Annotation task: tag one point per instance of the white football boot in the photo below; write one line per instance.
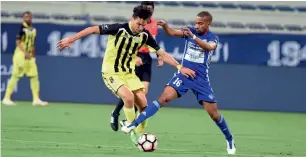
(231, 147)
(8, 102)
(39, 102)
(125, 128)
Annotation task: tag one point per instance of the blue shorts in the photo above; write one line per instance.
(200, 87)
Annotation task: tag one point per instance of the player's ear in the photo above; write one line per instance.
(149, 21)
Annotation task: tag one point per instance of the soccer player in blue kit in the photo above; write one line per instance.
(199, 47)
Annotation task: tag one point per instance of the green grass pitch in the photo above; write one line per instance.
(78, 130)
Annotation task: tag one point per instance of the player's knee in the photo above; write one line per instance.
(164, 99)
(128, 100)
(214, 114)
(213, 111)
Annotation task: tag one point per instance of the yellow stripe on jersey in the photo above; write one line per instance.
(122, 47)
(127, 48)
(27, 36)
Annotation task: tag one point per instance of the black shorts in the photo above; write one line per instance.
(144, 72)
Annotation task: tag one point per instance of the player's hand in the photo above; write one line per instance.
(138, 61)
(187, 32)
(161, 22)
(28, 55)
(64, 43)
(187, 72)
(160, 62)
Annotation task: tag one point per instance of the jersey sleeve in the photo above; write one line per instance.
(20, 32)
(152, 42)
(214, 39)
(109, 29)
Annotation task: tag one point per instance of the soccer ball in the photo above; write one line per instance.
(147, 142)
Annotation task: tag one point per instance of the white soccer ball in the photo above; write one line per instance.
(147, 142)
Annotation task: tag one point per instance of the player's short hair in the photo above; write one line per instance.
(27, 12)
(150, 3)
(206, 14)
(143, 12)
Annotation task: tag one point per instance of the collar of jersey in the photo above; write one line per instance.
(26, 25)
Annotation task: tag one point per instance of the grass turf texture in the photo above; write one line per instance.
(82, 130)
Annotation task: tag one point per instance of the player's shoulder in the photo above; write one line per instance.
(22, 26)
(153, 20)
(212, 34)
(116, 25)
(146, 31)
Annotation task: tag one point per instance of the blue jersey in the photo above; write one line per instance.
(198, 60)
(195, 57)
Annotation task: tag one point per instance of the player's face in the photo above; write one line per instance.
(138, 24)
(202, 24)
(27, 18)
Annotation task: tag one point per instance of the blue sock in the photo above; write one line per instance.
(224, 128)
(147, 113)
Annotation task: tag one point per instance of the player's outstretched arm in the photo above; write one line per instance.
(208, 46)
(171, 61)
(64, 43)
(170, 31)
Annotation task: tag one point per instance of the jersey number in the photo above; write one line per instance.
(177, 82)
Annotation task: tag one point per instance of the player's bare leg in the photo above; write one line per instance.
(128, 98)
(35, 87)
(212, 110)
(9, 91)
(116, 112)
(141, 103)
(168, 95)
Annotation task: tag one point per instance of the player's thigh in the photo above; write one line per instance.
(113, 82)
(31, 68)
(180, 84)
(133, 82)
(126, 95)
(140, 99)
(204, 92)
(18, 64)
(146, 73)
(206, 97)
(139, 71)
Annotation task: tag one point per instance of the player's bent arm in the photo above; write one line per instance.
(171, 61)
(19, 45)
(173, 32)
(208, 46)
(85, 32)
(167, 58)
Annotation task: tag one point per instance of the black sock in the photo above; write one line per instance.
(118, 107)
(135, 108)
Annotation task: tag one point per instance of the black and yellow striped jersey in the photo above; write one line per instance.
(27, 35)
(122, 47)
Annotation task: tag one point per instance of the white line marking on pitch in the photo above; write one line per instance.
(127, 147)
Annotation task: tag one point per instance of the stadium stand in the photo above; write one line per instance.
(245, 16)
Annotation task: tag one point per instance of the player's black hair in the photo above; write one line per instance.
(150, 3)
(143, 12)
(27, 12)
(206, 14)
